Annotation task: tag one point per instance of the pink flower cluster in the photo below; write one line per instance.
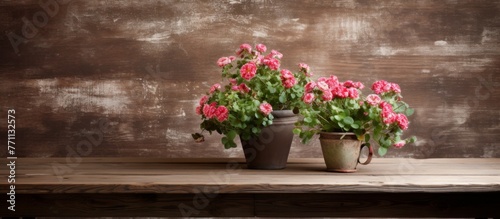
(214, 88)
(223, 61)
(271, 60)
(248, 71)
(265, 108)
(399, 144)
(308, 98)
(244, 48)
(390, 117)
(373, 99)
(331, 88)
(382, 86)
(272, 63)
(221, 113)
(242, 87)
(287, 78)
(306, 69)
(261, 48)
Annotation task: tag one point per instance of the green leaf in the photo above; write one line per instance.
(256, 103)
(367, 138)
(271, 89)
(338, 117)
(270, 116)
(355, 126)
(413, 139)
(236, 107)
(232, 144)
(382, 151)
(245, 118)
(282, 98)
(231, 135)
(409, 112)
(307, 120)
(397, 138)
(296, 131)
(349, 120)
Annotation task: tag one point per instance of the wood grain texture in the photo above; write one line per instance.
(135, 205)
(142, 65)
(225, 176)
(143, 187)
(378, 205)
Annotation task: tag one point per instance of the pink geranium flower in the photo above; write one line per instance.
(304, 67)
(388, 117)
(286, 74)
(222, 113)
(203, 100)
(223, 61)
(353, 93)
(381, 87)
(348, 84)
(198, 110)
(214, 88)
(244, 48)
(327, 95)
(385, 106)
(399, 144)
(274, 54)
(308, 98)
(402, 121)
(272, 63)
(265, 108)
(323, 86)
(359, 85)
(341, 91)
(289, 83)
(244, 88)
(395, 87)
(209, 110)
(261, 48)
(310, 87)
(248, 71)
(373, 99)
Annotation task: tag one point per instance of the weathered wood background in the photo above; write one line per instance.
(139, 67)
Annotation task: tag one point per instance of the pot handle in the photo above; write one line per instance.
(370, 154)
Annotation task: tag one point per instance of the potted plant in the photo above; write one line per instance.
(346, 120)
(255, 102)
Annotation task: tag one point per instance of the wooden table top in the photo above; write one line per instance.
(182, 176)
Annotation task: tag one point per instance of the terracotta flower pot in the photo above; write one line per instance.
(269, 150)
(342, 155)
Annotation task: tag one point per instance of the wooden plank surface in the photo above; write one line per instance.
(379, 205)
(143, 65)
(142, 187)
(133, 175)
(131, 205)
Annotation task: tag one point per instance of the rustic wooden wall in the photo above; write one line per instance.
(139, 67)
